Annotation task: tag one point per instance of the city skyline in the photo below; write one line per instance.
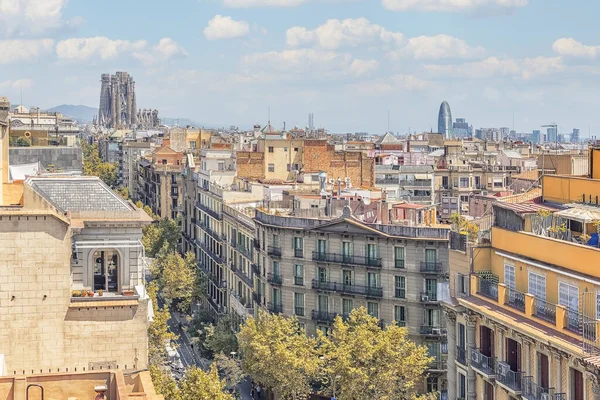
(348, 62)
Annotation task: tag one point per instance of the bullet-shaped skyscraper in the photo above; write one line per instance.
(445, 120)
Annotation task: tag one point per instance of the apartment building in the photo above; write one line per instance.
(131, 153)
(159, 180)
(411, 183)
(523, 317)
(317, 269)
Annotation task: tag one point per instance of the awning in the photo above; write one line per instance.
(582, 215)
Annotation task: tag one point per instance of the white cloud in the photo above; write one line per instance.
(25, 17)
(569, 47)
(313, 64)
(165, 50)
(83, 49)
(451, 5)
(222, 27)
(437, 47)
(526, 68)
(261, 3)
(394, 84)
(24, 50)
(17, 84)
(336, 33)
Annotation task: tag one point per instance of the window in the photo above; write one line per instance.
(373, 309)
(299, 304)
(509, 276)
(275, 267)
(321, 246)
(462, 386)
(323, 275)
(285, 149)
(464, 182)
(295, 149)
(298, 244)
(347, 277)
(221, 166)
(400, 315)
(431, 317)
(289, 167)
(270, 149)
(323, 303)
(568, 296)
(299, 275)
(399, 257)
(346, 250)
(371, 251)
(400, 287)
(271, 167)
(276, 297)
(275, 240)
(324, 329)
(431, 289)
(430, 257)
(347, 306)
(373, 279)
(432, 384)
(537, 286)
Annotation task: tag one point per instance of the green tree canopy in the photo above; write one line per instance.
(177, 277)
(94, 166)
(221, 338)
(279, 355)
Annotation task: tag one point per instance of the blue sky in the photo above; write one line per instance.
(348, 61)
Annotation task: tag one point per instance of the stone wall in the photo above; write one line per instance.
(250, 165)
(39, 330)
(63, 158)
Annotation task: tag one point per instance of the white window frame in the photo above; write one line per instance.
(570, 291)
(510, 276)
(535, 285)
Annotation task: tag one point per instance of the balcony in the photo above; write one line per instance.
(387, 181)
(429, 330)
(544, 311)
(487, 288)
(373, 262)
(274, 251)
(461, 355)
(274, 279)
(428, 267)
(508, 379)
(483, 364)
(217, 258)
(242, 275)
(247, 252)
(241, 305)
(368, 291)
(416, 183)
(323, 316)
(275, 308)
(429, 297)
(532, 391)
(515, 299)
(298, 253)
(437, 365)
(256, 269)
(212, 213)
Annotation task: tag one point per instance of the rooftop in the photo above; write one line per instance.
(78, 194)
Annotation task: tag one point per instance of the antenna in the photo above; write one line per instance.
(388, 129)
(269, 115)
(21, 85)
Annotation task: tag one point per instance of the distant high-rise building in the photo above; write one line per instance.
(536, 136)
(311, 121)
(504, 132)
(461, 128)
(575, 136)
(445, 120)
(552, 134)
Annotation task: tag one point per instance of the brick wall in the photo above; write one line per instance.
(250, 165)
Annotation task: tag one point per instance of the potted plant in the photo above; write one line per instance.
(128, 292)
(90, 294)
(84, 293)
(100, 292)
(76, 293)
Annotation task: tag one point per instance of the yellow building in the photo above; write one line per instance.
(523, 314)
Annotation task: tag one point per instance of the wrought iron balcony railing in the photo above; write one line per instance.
(347, 259)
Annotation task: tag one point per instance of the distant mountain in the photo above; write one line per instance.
(85, 114)
(81, 114)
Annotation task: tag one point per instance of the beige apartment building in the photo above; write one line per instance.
(317, 269)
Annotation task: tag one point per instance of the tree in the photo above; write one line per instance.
(167, 232)
(123, 192)
(176, 277)
(94, 166)
(20, 141)
(158, 331)
(200, 385)
(164, 384)
(278, 354)
(230, 369)
(221, 338)
(362, 361)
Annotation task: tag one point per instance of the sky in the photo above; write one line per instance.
(350, 62)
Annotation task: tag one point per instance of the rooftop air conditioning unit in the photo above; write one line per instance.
(436, 331)
(424, 297)
(484, 192)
